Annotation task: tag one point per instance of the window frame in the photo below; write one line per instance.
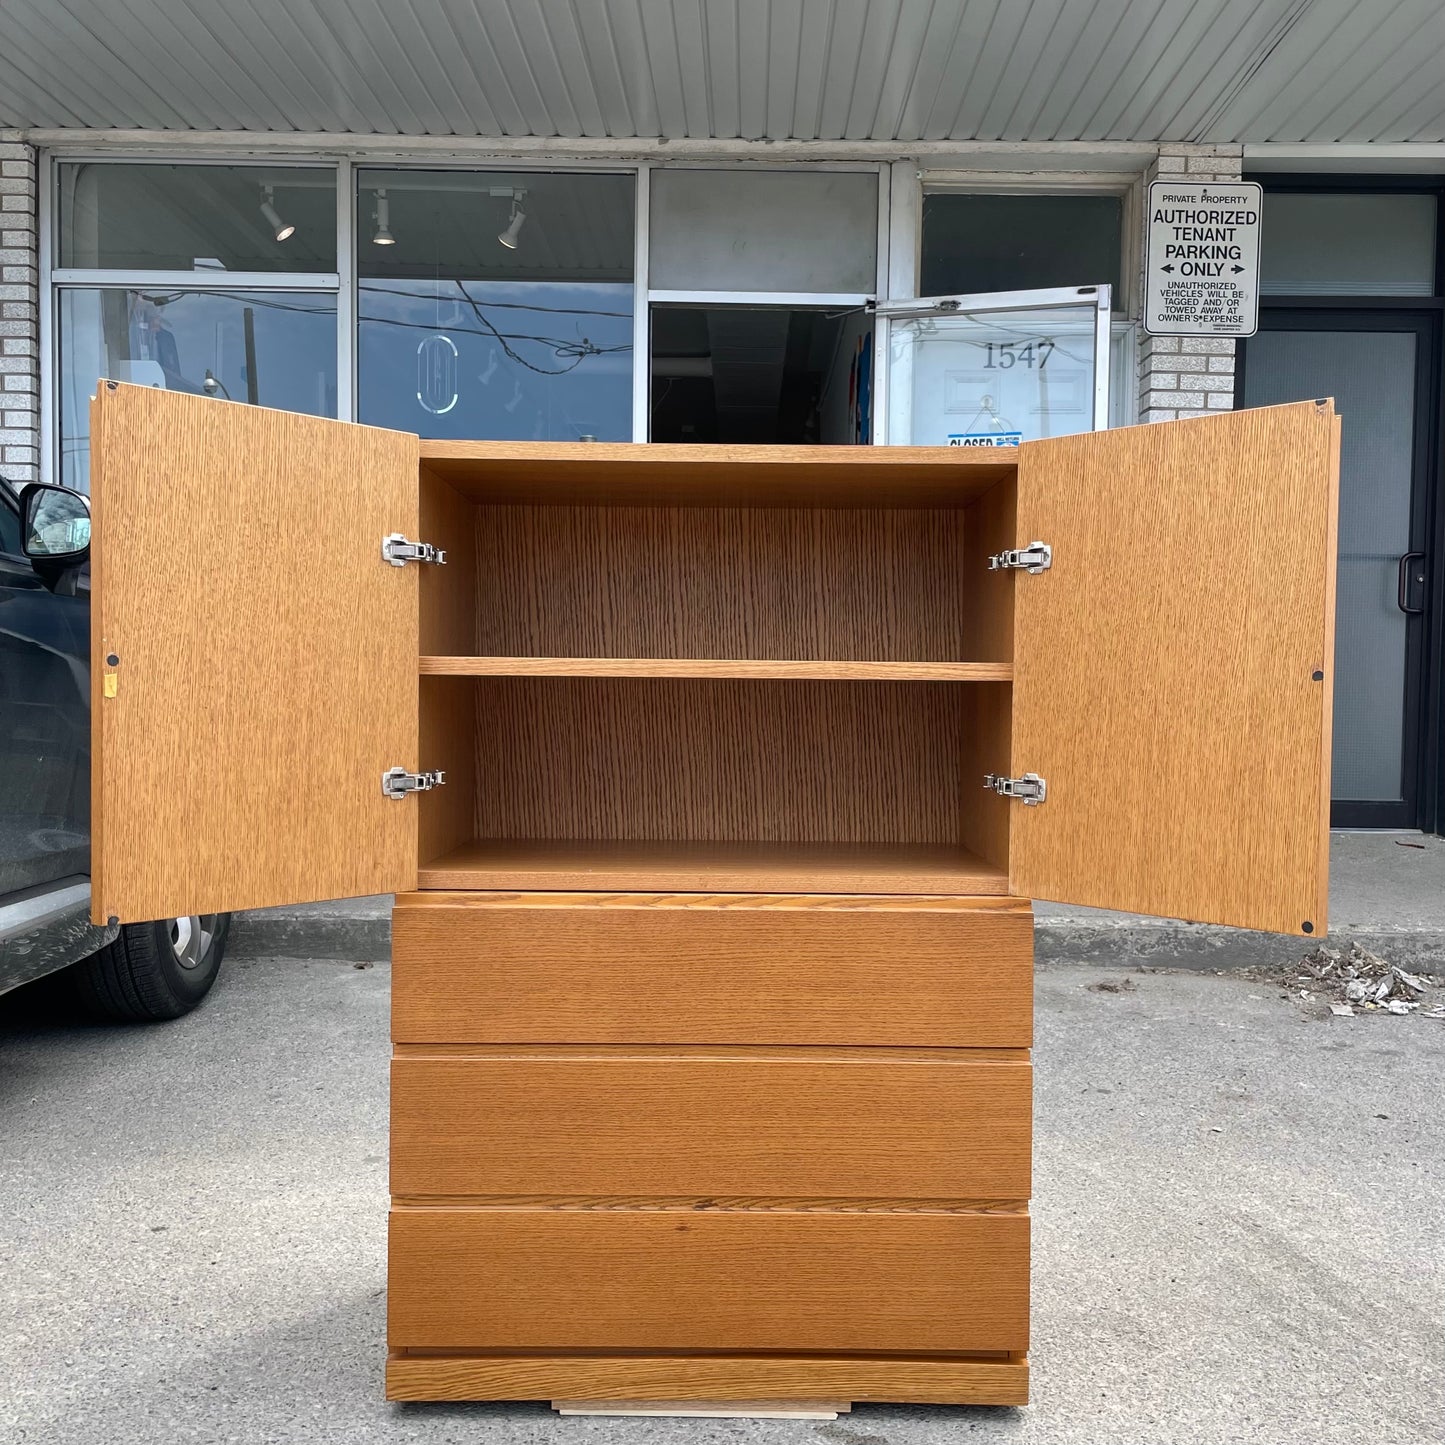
(1129, 186)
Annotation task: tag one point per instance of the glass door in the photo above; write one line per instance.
(994, 369)
(1377, 366)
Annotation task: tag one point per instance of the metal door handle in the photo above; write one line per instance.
(1402, 590)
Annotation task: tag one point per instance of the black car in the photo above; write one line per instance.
(136, 971)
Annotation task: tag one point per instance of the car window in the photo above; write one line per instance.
(9, 526)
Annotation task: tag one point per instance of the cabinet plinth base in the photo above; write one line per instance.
(742, 1379)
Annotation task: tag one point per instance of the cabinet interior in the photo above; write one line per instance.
(721, 677)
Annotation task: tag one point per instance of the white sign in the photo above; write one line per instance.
(985, 438)
(1201, 274)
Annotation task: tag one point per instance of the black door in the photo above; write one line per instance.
(1379, 365)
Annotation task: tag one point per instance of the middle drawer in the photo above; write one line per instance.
(711, 1123)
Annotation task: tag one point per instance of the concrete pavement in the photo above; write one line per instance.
(1238, 1213)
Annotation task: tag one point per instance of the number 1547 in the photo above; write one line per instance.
(1004, 354)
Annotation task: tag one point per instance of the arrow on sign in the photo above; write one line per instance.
(1166, 268)
(1236, 269)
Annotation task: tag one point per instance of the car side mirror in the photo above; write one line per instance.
(57, 525)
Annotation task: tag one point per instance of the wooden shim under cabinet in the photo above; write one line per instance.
(710, 1409)
(715, 667)
(412, 1376)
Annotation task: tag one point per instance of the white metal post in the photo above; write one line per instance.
(1103, 335)
(641, 315)
(346, 297)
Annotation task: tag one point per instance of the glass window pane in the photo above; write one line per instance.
(196, 218)
(496, 305)
(764, 231)
(976, 243)
(991, 378)
(272, 348)
(1347, 245)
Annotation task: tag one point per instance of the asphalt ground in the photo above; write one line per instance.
(1238, 1220)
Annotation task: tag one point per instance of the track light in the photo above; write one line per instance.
(284, 229)
(382, 235)
(508, 238)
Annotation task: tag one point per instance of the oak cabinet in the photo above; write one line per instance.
(712, 956)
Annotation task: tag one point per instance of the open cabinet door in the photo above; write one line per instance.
(253, 656)
(1173, 668)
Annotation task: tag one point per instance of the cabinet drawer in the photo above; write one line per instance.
(685, 1280)
(667, 1123)
(710, 969)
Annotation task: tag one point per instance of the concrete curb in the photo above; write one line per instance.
(365, 937)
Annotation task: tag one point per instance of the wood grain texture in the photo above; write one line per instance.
(448, 591)
(730, 1203)
(682, 1280)
(704, 867)
(719, 760)
(1163, 676)
(694, 582)
(937, 1381)
(986, 719)
(258, 697)
(652, 474)
(804, 670)
(666, 969)
(988, 619)
(669, 1122)
(447, 717)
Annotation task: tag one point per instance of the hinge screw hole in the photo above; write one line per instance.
(111, 660)
(1317, 676)
(1307, 926)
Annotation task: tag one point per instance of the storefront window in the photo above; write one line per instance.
(271, 348)
(495, 305)
(977, 243)
(747, 230)
(126, 217)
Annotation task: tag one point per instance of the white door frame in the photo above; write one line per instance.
(1099, 297)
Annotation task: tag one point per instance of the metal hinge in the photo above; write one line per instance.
(1030, 789)
(1036, 557)
(397, 782)
(398, 551)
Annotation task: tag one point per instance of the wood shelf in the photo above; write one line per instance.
(619, 474)
(603, 865)
(716, 667)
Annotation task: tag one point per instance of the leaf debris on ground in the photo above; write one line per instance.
(1353, 981)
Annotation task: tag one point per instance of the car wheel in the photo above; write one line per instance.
(153, 970)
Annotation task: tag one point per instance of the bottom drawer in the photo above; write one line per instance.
(668, 1279)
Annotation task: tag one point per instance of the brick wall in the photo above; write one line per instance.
(19, 315)
(1187, 375)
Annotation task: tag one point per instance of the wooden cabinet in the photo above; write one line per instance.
(712, 953)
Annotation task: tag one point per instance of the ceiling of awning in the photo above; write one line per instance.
(883, 70)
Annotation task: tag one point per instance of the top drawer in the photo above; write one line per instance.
(712, 969)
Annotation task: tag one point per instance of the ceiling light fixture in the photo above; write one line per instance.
(508, 238)
(382, 235)
(284, 229)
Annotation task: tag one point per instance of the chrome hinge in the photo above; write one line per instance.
(1030, 789)
(1036, 557)
(397, 782)
(398, 551)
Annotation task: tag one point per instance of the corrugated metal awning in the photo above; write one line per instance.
(880, 70)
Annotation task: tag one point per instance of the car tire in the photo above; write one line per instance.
(153, 971)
